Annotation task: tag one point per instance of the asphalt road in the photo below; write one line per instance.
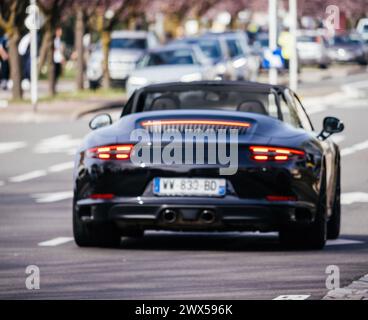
(35, 229)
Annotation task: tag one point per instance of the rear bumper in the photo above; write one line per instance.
(229, 213)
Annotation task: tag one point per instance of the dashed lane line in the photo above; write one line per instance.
(293, 297)
(354, 197)
(2, 183)
(6, 147)
(52, 197)
(55, 242)
(61, 167)
(343, 242)
(354, 148)
(29, 176)
(41, 173)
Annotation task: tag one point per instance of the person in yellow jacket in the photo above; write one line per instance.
(285, 42)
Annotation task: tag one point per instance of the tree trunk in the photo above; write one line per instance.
(106, 39)
(44, 50)
(15, 65)
(51, 66)
(79, 46)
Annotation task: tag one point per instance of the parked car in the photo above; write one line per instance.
(287, 177)
(348, 47)
(126, 48)
(362, 28)
(312, 49)
(245, 60)
(228, 53)
(179, 62)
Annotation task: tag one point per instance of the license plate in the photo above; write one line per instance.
(189, 187)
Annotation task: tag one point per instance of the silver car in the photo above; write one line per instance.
(126, 48)
(348, 47)
(312, 49)
(171, 63)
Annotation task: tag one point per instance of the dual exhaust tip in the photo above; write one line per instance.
(171, 216)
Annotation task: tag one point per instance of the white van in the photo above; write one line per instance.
(362, 28)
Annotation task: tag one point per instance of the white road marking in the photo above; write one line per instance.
(6, 147)
(58, 144)
(355, 148)
(338, 139)
(341, 242)
(354, 197)
(52, 197)
(293, 297)
(41, 173)
(29, 176)
(61, 167)
(55, 242)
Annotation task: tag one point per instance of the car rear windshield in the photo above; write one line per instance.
(307, 39)
(169, 57)
(128, 43)
(343, 40)
(261, 103)
(210, 47)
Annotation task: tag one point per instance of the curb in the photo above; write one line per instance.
(357, 290)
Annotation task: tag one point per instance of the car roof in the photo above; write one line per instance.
(172, 47)
(129, 34)
(231, 85)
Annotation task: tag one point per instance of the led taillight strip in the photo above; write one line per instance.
(278, 154)
(157, 123)
(118, 152)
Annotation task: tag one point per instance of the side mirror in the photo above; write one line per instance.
(331, 125)
(100, 121)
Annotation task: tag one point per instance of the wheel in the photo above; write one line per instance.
(94, 235)
(133, 233)
(311, 237)
(334, 224)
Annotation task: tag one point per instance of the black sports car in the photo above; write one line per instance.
(284, 176)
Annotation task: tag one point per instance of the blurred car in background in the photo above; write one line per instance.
(171, 63)
(228, 52)
(312, 48)
(348, 47)
(245, 60)
(362, 28)
(126, 48)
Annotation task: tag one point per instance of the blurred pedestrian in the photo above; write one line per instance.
(285, 42)
(4, 63)
(24, 49)
(59, 58)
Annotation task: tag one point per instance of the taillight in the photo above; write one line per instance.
(118, 152)
(275, 154)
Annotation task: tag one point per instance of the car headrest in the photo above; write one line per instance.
(253, 106)
(165, 103)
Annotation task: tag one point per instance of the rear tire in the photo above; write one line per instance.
(94, 235)
(312, 237)
(334, 224)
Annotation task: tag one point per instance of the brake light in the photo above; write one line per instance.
(276, 154)
(280, 198)
(155, 123)
(102, 196)
(118, 152)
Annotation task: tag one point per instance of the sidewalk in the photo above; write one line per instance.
(68, 106)
(358, 290)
